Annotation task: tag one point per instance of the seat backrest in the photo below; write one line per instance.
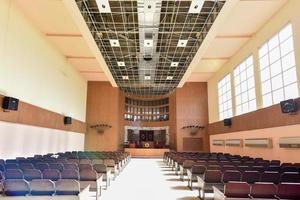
(263, 190)
(97, 161)
(41, 166)
(213, 176)
(231, 175)
(87, 175)
(198, 169)
(250, 176)
(52, 174)
(73, 160)
(109, 162)
(31, 174)
(237, 190)
(9, 161)
(58, 166)
(70, 174)
(71, 166)
(11, 166)
(13, 174)
(85, 161)
(289, 169)
(243, 168)
(274, 168)
(213, 167)
(270, 176)
(24, 166)
(228, 167)
(85, 166)
(290, 177)
(67, 187)
(289, 191)
(16, 187)
(100, 168)
(188, 164)
(275, 162)
(258, 168)
(40, 187)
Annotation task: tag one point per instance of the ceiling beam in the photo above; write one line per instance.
(63, 35)
(233, 36)
(215, 58)
(80, 57)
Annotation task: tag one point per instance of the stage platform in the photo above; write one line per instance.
(146, 152)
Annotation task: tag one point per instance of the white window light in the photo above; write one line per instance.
(278, 68)
(182, 43)
(103, 6)
(147, 77)
(244, 85)
(225, 100)
(114, 43)
(125, 77)
(169, 77)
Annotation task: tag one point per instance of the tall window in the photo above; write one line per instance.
(244, 85)
(278, 68)
(225, 104)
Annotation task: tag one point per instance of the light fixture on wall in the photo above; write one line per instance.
(193, 129)
(100, 128)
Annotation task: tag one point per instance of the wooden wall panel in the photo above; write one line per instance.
(263, 118)
(35, 116)
(192, 144)
(192, 109)
(103, 107)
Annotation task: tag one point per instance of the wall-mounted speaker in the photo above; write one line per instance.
(227, 122)
(67, 120)
(288, 106)
(10, 103)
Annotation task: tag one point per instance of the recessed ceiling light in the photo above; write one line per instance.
(148, 43)
(114, 43)
(149, 6)
(147, 77)
(103, 6)
(121, 64)
(125, 77)
(196, 6)
(169, 77)
(174, 64)
(182, 43)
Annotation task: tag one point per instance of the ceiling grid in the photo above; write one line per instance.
(144, 73)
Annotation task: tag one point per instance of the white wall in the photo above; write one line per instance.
(23, 140)
(288, 14)
(33, 70)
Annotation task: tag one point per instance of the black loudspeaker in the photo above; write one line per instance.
(67, 120)
(10, 103)
(288, 106)
(227, 122)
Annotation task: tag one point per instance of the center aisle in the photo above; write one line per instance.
(148, 179)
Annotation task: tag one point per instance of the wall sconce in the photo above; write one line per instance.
(193, 129)
(100, 128)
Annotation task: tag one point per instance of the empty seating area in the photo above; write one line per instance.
(70, 174)
(233, 176)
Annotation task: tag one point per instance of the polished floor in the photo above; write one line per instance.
(148, 179)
